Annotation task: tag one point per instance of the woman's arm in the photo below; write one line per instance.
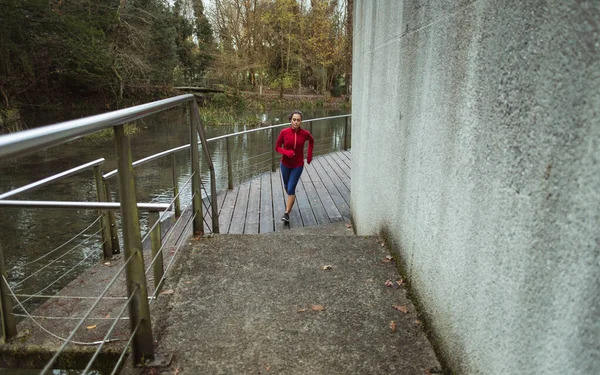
(281, 150)
(311, 145)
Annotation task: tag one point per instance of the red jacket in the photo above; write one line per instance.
(290, 144)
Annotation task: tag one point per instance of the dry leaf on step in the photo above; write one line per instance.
(318, 307)
(402, 308)
(91, 327)
(393, 326)
(327, 267)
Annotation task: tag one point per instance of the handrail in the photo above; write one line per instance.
(270, 127)
(28, 141)
(48, 180)
(81, 205)
(147, 159)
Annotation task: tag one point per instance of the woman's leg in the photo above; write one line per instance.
(294, 177)
(285, 175)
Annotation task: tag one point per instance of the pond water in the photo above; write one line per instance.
(27, 234)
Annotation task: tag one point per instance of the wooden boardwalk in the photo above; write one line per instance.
(257, 205)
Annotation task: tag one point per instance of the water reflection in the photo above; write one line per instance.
(27, 234)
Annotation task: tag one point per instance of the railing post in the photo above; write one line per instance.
(158, 268)
(211, 168)
(104, 222)
(139, 311)
(273, 150)
(229, 167)
(112, 220)
(9, 327)
(198, 224)
(345, 143)
(175, 187)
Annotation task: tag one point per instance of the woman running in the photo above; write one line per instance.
(290, 144)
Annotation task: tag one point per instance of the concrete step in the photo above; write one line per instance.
(333, 229)
(246, 304)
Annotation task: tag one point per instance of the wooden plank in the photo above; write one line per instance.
(266, 204)
(339, 178)
(348, 157)
(303, 205)
(332, 189)
(227, 209)
(335, 156)
(278, 201)
(239, 213)
(332, 212)
(253, 209)
(314, 200)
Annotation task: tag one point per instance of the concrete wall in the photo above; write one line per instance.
(476, 149)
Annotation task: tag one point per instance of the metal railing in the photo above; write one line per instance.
(137, 300)
(21, 143)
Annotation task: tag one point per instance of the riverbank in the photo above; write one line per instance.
(228, 108)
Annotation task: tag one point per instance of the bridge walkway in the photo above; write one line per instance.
(256, 206)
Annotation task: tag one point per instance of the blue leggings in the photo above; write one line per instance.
(290, 178)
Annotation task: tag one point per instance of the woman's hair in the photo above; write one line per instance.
(295, 112)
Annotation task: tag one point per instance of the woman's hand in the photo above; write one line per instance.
(290, 153)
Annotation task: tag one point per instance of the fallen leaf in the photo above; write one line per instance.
(427, 372)
(107, 264)
(387, 259)
(389, 283)
(318, 307)
(402, 308)
(327, 267)
(91, 327)
(301, 310)
(176, 372)
(418, 322)
(167, 292)
(382, 244)
(400, 282)
(188, 282)
(393, 326)
(348, 226)
(107, 316)
(267, 367)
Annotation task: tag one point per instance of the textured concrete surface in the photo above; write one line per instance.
(243, 304)
(476, 148)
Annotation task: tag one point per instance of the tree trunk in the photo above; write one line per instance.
(349, 36)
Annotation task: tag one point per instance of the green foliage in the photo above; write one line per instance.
(218, 116)
(53, 51)
(287, 79)
(227, 100)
